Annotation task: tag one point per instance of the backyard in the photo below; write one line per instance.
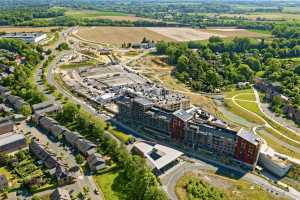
(25, 171)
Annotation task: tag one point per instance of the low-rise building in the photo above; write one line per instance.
(44, 154)
(96, 162)
(160, 158)
(64, 176)
(274, 163)
(60, 194)
(71, 137)
(33, 37)
(45, 107)
(6, 126)
(3, 182)
(86, 147)
(16, 102)
(11, 142)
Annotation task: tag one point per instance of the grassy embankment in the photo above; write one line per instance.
(249, 104)
(232, 189)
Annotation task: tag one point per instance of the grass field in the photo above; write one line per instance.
(246, 96)
(278, 147)
(232, 188)
(246, 115)
(107, 181)
(245, 99)
(115, 16)
(92, 13)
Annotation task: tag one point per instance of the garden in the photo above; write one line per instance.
(26, 173)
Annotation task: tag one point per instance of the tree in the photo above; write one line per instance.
(63, 46)
(161, 47)
(182, 63)
(26, 110)
(155, 193)
(79, 159)
(297, 70)
(253, 63)
(246, 72)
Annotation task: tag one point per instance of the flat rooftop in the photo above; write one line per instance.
(249, 136)
(158, 155)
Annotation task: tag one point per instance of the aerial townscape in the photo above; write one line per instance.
(150, 99)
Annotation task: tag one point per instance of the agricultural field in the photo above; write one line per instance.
(120, 35)
(267, 16)
(115, 16)
(184, 34)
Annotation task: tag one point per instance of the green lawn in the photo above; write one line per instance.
(125, 138)
(254, 108)
(246, 96)
(243, 113)
(235, 92)
(107, 181)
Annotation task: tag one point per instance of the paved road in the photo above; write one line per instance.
(83, 179)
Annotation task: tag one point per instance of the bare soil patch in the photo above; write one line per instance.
(119, 35)
(184, 34)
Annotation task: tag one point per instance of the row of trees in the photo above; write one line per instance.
(213, 66)
(139, 183)
(19, 81)
(19, 15)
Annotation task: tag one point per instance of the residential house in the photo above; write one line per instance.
(71, 137)
(3, 182)
(6, 126)
(96, 162)
(64, 176)
(3, 90)
(16, 102)
(45, 107)
(44, 154)
(11, 142)
(60, 194)
(86, 147)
